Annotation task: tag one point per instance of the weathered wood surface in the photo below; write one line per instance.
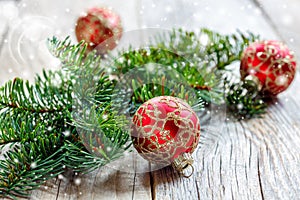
(285, 19)
(255, 159)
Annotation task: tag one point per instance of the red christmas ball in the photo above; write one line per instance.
(164, 128)
(271, 64)
(99, 26)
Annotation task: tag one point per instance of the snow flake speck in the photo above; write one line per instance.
(33, 165)
(77, 181)
(67, 133)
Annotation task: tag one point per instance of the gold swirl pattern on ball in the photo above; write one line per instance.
(154, 141)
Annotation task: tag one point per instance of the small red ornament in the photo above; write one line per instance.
(99, 26)
(165, 130)
(271, 64)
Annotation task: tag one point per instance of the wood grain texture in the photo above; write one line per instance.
(284, 17)
(254, 159)
(5, 18)
(222, 16)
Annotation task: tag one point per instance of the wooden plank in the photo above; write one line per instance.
(255, 159)
(26, 52)
(223, 16)
(284, 16)
(8, 12)
(105, 183)
(47, 191)
(249, 159)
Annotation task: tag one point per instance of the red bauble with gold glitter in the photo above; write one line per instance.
(100, 26)
(271, 64)
(165, 130)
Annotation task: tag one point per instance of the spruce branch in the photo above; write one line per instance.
(225, 49)
(69, 118)
(33, 118)
(179, 70)
(101, 132)
(201, 59)
(30, 163)
(207, 45)
(70, 55)
(243, 99)
(25, 106)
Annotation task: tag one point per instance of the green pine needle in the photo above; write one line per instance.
(243, 99)
(74, 117)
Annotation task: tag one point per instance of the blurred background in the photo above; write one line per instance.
(25, 25)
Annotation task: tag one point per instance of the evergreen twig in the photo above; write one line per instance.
(69, 118)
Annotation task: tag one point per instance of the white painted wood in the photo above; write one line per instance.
(284, 15)
(34, 21)
(250, 159)
(223, 16)
(8, 13)
(254, 159)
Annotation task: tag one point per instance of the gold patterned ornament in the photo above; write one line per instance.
(270, 64)
(100, 28)
(165, 130)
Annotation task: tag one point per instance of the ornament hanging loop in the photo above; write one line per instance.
(182, 163)
(184, 174)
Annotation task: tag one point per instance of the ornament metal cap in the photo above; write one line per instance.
(182, 163)
(256, 80)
